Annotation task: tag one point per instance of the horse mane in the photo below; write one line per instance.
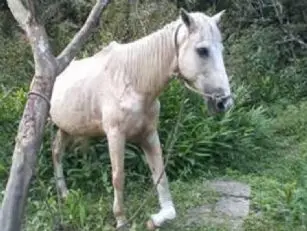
(146, 62)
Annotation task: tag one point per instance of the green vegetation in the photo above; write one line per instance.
(262, 141)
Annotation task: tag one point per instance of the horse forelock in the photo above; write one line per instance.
(207, 26)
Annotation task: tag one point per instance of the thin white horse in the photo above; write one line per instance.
(115, 94)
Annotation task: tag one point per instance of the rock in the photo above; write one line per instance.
(231, 188)
(233, 207)
(228, 212)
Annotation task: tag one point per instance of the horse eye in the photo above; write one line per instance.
(203, 51)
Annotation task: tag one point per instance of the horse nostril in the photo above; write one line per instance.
(220, 105)
(224, 103)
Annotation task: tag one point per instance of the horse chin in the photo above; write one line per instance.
(211, 105)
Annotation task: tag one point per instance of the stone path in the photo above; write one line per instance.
(228, 212)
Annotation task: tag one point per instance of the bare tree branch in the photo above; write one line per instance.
(19, 11)
(73, 47)
(31, 9)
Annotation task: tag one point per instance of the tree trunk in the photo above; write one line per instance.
(28, 141)
(31, 127)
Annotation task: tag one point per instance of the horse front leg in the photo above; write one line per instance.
(152, 148)
(116, 144)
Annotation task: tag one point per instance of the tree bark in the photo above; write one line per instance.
(30, 131)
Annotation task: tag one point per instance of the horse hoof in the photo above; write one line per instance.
(150, 225)
(123, 227)
(64, 195)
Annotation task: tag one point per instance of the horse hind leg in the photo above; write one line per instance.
(59, 144)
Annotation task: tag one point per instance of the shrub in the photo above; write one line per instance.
(11, 107)
(16, 62)
(239, 136)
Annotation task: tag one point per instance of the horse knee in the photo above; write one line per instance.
(118, 180)
(56, 157)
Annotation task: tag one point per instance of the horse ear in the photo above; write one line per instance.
(217, 17)
(187, 19)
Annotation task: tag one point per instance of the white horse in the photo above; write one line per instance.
(115, 93)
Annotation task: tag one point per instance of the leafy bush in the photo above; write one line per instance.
(240, 135)
(292, 122)
(11, 106)
(16, 62)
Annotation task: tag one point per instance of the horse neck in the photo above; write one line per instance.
(151, 61)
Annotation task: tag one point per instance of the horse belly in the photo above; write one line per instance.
(77, 123)
(77, 114)
(75, 103)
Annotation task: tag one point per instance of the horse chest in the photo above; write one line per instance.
(134, 123)
(133, 115)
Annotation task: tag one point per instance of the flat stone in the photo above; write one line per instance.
(231, 188)
(198, 215)
(228, 212)
(233, 207)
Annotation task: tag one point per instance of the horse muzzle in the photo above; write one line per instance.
(220, 104)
